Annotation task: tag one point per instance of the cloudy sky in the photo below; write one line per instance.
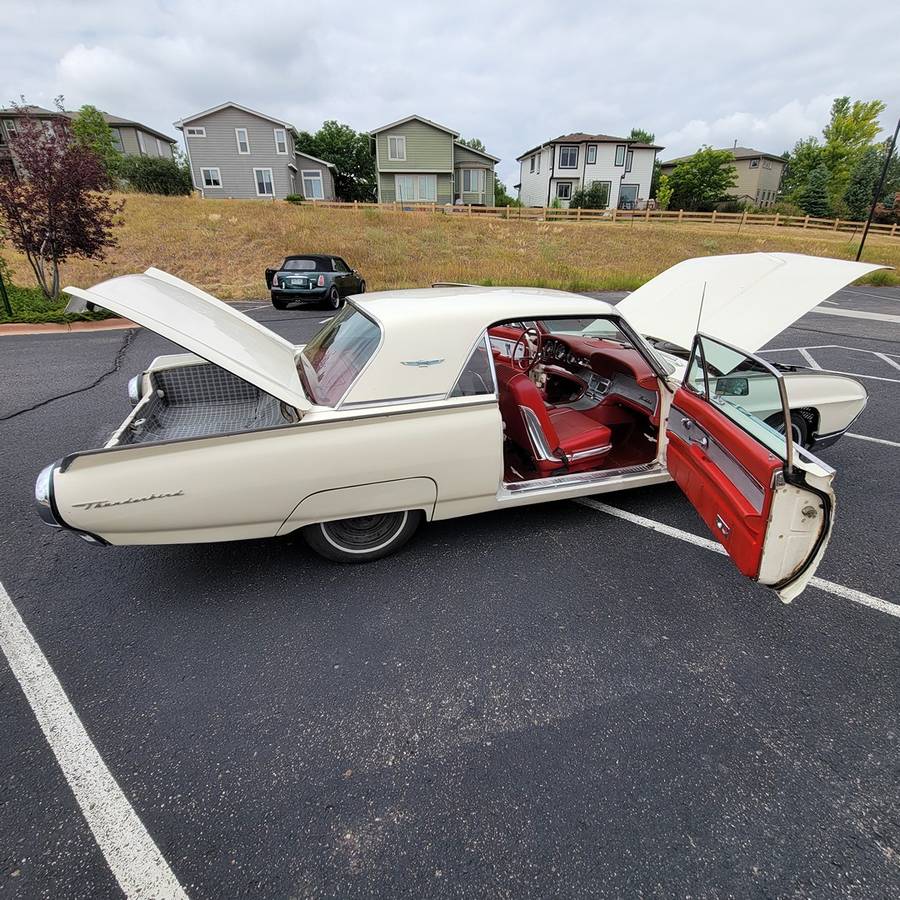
(512, 73)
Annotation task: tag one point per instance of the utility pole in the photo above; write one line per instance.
(878, 190)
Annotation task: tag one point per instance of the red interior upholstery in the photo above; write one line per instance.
(567, 433)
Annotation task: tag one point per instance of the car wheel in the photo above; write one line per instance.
(279, 302)
(362, 287)
(334, 298)
(799, 429)
(364, 538)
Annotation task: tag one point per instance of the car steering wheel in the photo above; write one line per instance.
(530, 357)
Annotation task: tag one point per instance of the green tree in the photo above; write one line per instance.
(156, 175)
(863, 180)
(594, 197)
(501, 197)
(852, 128)
(814, 200)
(351, 154)
(89, 129)
(806, 156)
(474, 143)
(664, 192)
(702, 180)
(641, 136)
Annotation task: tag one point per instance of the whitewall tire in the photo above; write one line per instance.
(364, 538)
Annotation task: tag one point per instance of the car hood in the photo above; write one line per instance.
(743, 299)
(207, 327)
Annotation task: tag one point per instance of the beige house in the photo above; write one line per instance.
(129, 137)
(758, 174)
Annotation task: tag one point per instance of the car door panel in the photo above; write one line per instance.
(770, 505)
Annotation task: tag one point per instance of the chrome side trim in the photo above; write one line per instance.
(517, 488)
(364, 404)
(595, 451)
(539, 445)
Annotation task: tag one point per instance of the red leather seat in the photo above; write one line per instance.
(558, 439)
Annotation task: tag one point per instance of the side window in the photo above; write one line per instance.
(477, 376)
(744, 388)
(340, 265)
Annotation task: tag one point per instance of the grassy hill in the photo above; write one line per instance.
(223, 246)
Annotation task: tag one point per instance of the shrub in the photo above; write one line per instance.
(594, 197)
(295, 198)
(155, 175)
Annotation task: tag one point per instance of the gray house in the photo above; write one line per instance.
(419, 161)
(236, 152)
(129, 137)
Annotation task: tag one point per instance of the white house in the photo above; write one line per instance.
(557, 168)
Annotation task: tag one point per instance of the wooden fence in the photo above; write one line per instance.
(626, 216)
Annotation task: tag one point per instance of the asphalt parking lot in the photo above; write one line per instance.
(551, 701)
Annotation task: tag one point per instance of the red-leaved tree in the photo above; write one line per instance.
(57, 205)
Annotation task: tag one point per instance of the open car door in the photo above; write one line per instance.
(766, 500)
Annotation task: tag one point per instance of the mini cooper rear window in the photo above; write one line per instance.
(300, 265)
(331, 361)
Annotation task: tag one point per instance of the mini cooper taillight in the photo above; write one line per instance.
(275, 282)
(321, 281)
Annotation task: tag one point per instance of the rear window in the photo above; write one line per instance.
(337, 354)
(300, 265)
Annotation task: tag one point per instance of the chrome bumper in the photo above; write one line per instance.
(43, 496)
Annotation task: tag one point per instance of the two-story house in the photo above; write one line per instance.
(759, 174)
(557, 168)
(419, 161)
(239, 153)
(129, 137)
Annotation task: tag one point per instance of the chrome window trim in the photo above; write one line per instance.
(482, 338)
(364, 369)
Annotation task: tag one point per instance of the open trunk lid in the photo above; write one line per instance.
(207, 327)
(743, 299)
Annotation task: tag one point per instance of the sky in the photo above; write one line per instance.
(762, 74)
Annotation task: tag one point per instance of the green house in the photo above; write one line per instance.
(419, 161)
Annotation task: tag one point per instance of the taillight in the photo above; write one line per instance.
(321, 281)
(274, 281)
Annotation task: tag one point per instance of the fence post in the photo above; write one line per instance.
(578, 214)
(836, 221)
(713, 220)
(680, 216)
(647, 213)
(743, 220)
(507, 212)
(893, 229)
(806, 221)
(777, 219)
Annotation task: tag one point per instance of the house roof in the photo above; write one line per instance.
(581, 137)
(495, 159)
(253, 112)
(115, 121)
(736, 152)
(420, 119)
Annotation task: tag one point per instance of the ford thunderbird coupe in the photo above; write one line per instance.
(419, 405)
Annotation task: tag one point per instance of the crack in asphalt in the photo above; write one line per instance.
(119, 358)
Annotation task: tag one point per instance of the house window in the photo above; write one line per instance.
(620, 154)
(243, 141)
(211, 178)
(532, 162)
(313, 186)
(2, 138)
(767, 163)
(264, 184)
(591, 154)
(160, 147)
(195, 132)
(416, 187)
(11, 128)
(539, 163)
(281, 146)
(629, 159)
(564, 190)
(473, 181)
(605, 187)
(141, 146)
(754, 163)
(568, 157)
(397, 147)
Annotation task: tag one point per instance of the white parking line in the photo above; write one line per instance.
(132, 856)
(856, 314)
(808, 357)
(865, 437)
(839, 590)
(870, 294)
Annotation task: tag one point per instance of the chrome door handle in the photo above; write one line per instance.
(720, 524)
(688, 424)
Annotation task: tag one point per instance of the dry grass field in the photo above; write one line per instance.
(223, 246)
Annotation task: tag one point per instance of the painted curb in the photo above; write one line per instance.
(22, 328)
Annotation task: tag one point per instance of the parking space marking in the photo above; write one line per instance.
(130, 852)
(870, 294)
(808, 357)
(838, 590)
(805, 353)
(856, 314)
(865, 437)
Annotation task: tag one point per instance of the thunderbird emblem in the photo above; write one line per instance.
(421, 363)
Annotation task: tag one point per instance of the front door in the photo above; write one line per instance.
(766, 500)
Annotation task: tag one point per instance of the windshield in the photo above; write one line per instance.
(337, 354)
(587, 327)
(300, 265)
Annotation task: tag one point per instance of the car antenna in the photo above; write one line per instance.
(700, 310)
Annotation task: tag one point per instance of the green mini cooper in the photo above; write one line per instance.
(313, 278)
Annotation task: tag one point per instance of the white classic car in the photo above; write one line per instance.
(429, 404)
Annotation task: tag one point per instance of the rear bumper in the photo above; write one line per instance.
(820, 441)
(314, 294)
(46, 504)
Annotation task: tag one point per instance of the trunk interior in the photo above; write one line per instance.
(198, 401)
